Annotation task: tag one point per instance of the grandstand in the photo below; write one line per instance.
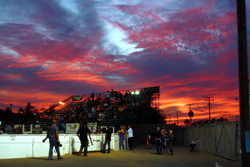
(109, 108)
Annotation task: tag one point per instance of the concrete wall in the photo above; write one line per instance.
(28, 145)
(221, 139)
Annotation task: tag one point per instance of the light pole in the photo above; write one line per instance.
(11, 107)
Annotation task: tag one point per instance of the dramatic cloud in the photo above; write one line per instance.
(50, 50)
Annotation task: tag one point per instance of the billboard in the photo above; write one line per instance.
(77, 98)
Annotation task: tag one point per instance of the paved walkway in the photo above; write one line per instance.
(142, 157)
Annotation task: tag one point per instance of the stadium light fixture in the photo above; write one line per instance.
(61, 103)
(137, 92)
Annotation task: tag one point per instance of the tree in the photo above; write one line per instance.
(7, 115)
(20, 110)
(186, 122)
(190, 114)
(28, 112)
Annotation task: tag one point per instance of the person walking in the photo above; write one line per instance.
(54, 140)
(82, 133)
(130, 137)
(107, 140)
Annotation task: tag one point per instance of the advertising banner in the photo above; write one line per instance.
(37, 129)
(72, 128)
(27, 129)
(9, 129)
(92, 126)
(18, 129)
(77, 98)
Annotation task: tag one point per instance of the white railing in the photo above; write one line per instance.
(31, 145)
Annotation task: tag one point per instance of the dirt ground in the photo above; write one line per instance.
(142, 157)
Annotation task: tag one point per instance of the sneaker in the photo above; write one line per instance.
(60, 158)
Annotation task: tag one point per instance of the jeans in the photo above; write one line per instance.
(84, 144)
(53, 143)
(126, 141)
(104, 146)
(121, 143)
(158, 147)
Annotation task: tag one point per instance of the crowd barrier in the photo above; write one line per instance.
(31, 145)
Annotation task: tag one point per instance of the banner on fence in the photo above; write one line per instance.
(37, 129)
(27, 129)
(18, 129)
(72, 128)
(9, 129)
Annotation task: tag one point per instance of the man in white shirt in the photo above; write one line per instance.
(194, 143)
(130, 137)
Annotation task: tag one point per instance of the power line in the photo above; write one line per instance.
(169, 118)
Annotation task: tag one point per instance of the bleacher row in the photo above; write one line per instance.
(109, 108)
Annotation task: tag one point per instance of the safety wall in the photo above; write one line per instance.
(220, 139)
(27, 145)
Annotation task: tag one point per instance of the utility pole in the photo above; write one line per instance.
(177, 116)
(243, 79)
(189, 106)
(169, 118)
(190, 111)
(209, 99)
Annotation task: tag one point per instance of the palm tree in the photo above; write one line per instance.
(186, 122)
(190, 114)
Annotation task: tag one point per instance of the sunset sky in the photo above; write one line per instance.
(52, 49)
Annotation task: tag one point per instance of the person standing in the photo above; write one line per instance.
(54, 140)
(136, 138)
(164, 140)
(158, 138)
(107, 140)
(130, 137)
(125, 137)
(82, 133)
(121, 139)
(170, 141)
(149, 140)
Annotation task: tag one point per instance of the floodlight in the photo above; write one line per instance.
(137, 92)
(132, 93)
(62, 103)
